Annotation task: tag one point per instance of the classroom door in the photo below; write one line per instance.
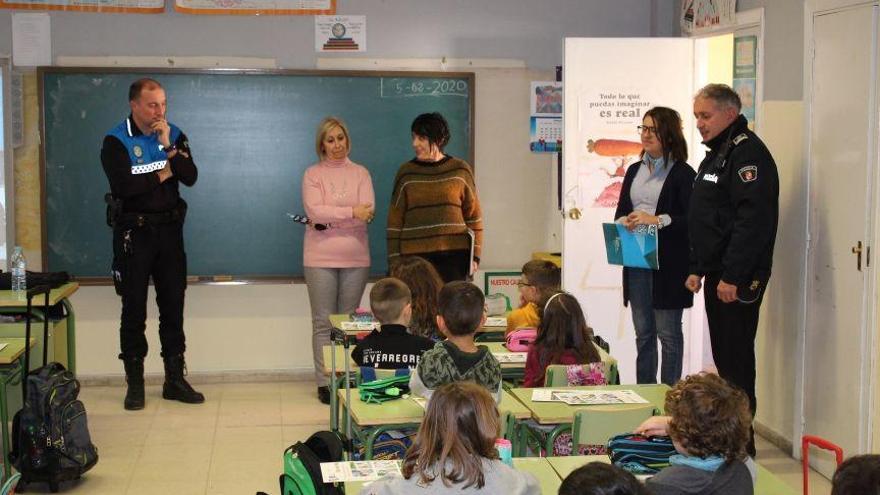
(608, 85)
(843, 153)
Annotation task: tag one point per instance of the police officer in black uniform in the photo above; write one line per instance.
(732, 223)
(145, 158)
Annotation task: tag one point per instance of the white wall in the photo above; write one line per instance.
(515, 29)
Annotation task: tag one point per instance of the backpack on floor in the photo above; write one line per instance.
(50, 434)
(640, 455)
(302, 465)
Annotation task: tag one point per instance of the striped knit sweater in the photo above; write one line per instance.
(432, 206)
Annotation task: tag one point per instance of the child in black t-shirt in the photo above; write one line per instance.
(392, 346)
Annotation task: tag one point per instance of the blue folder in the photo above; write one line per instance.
(636, 249)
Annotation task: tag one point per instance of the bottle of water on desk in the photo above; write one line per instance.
(18, 269)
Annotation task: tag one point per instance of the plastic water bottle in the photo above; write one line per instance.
(505, 451)
(18, 269)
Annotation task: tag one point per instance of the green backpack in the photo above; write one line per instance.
(302, 465)
(379, 391)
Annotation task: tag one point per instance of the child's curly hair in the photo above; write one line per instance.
(709, 417)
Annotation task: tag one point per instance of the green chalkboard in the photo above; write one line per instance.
(253, 135)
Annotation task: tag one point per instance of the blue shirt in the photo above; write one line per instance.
(647, 184)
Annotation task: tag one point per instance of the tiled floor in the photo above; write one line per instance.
(231, 444)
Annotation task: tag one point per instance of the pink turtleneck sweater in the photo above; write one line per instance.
(330, 191)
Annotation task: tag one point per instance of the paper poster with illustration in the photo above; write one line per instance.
(704, 15)
(340, 33)
(745, 73)
(609, 85)
(545, 121)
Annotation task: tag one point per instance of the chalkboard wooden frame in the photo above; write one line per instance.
(43, 71)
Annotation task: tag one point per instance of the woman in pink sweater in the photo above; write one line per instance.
(338, 199)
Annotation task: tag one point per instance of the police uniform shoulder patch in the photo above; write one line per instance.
(742, 137)
(748, 173)
(138, 151)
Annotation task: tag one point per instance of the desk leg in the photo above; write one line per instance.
(71, 335)
(5, 379)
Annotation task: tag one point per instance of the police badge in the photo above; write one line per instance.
(137, 150)
(748, 173)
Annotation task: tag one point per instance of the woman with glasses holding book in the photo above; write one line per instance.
(656, 195)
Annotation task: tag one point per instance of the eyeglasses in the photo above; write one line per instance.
(649, 129)
(522, 284)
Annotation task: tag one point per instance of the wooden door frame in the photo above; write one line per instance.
(867, 370)
(8, 145)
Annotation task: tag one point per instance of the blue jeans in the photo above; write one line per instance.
(651, 324)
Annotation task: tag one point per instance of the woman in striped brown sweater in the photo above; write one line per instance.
(434, 205)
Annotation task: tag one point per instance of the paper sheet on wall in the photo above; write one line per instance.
(31, 40)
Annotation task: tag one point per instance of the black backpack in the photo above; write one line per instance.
(50, 434)
(302, 465)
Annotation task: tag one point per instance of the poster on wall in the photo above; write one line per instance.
(502, 290)
(545, 122)
(745, 74)
(256, 7)
(706, 15)
(341, 33)
(104, 6)
(602, 111)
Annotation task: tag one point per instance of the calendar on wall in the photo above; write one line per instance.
(545, 123)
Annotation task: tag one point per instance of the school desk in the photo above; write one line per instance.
(561, 414)
(337, 319)
(537, 466)
(371, 420)
(512, 372)
(11, 364)
(767, 483)
(63, 331)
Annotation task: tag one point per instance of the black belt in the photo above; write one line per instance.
(141, 219)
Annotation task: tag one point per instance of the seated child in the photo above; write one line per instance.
(600, 478)
(563, 338)
(709, 424)
(540, 280)
(391, 346)
(858, 475)
(458, 358)
(425, 283)
(454, 451)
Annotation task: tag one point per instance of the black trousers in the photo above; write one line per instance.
(732, 329)
(450, 265)
(141, 252)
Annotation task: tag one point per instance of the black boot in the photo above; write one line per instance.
(176, 387)
(134, 377)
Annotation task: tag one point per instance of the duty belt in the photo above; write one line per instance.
(141, 219)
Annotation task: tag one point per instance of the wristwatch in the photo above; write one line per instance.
(664, 221)
(169, 149)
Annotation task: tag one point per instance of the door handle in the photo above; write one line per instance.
(857, 250)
